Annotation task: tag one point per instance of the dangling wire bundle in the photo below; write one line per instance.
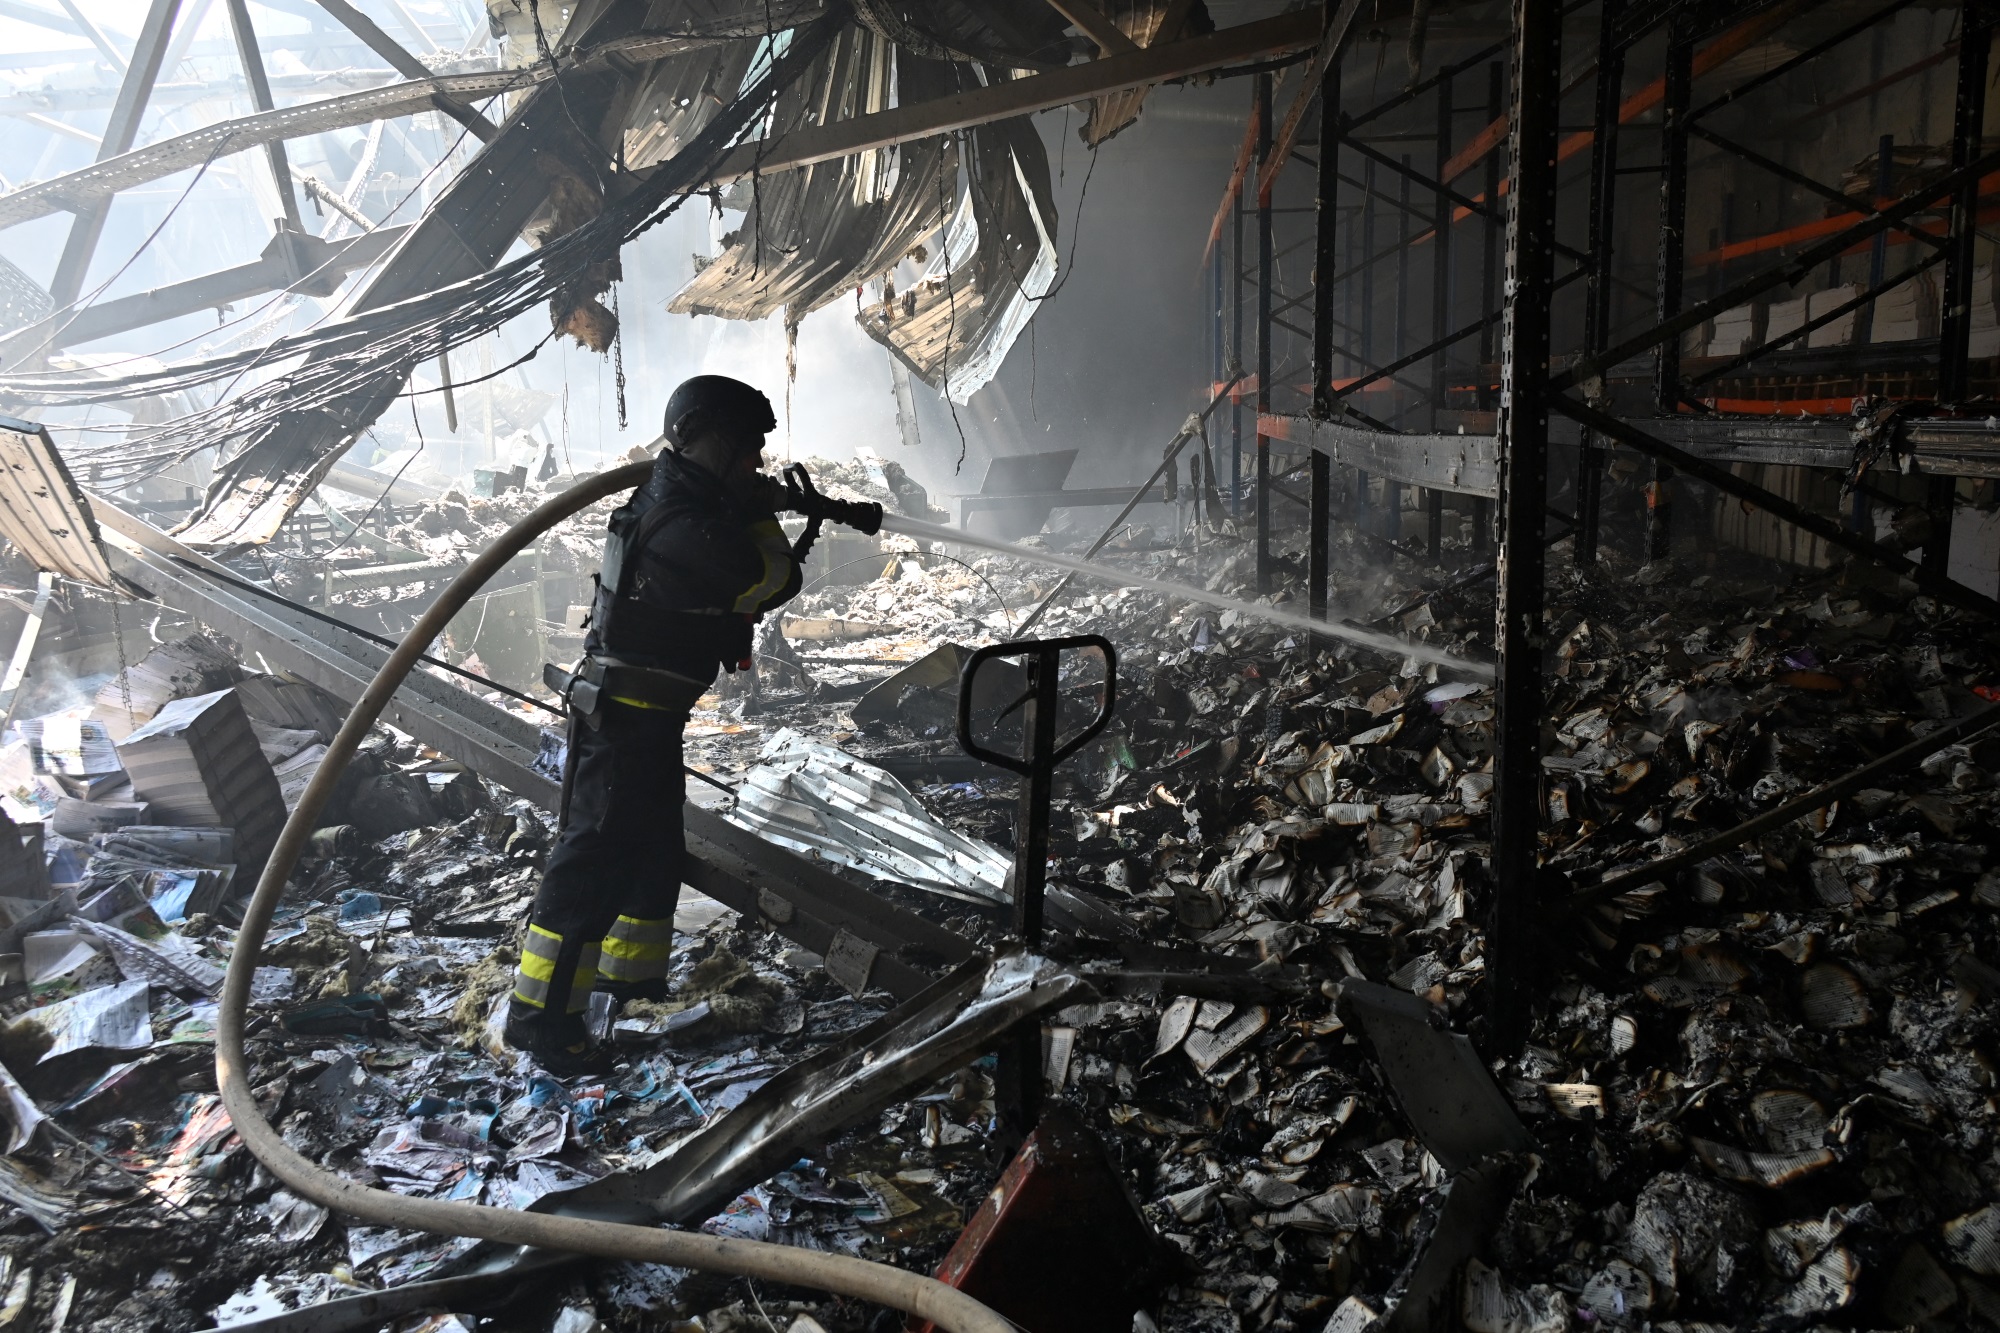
(355, 356)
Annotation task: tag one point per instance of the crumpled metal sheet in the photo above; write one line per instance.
(1019, 34)
(267, 472)
(1140, 20)
(42, 511)
(675, 98)
(811, 234)
(814, 1100)
(820, 800)
(954, 328)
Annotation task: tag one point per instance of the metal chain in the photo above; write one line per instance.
(618, 353)
(124, 667)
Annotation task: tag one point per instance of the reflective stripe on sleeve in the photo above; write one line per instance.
(777, 553)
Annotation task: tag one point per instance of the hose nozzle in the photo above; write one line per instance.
(802, 497)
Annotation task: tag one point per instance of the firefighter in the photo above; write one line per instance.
(691, 563)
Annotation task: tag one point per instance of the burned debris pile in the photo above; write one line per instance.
(1762, 1085)
(1755, 1094)
(1498, 833)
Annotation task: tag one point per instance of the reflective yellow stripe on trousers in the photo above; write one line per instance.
(637, 950)
(538, 970)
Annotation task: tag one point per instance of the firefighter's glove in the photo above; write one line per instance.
(801, 497)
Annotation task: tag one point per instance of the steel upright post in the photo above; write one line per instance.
(1955, 328)
(1392, 500)
(1597, 285)
(1440, 295)
(1489, 255)
(1326, 258)
(1668, 281)
(1325, 265)
(1320, 533)
(1489, 268)
(1217, 336)
(1955, 322)
(1360, 501)
(1878, 250)
(1365, 326)
(1263, 335)
(1399, 337)
(1217, 359)
(1878, 258)
(1236, 348)
(1523, 442)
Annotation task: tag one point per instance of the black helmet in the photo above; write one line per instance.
(716, 401)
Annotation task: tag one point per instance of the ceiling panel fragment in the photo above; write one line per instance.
(955, 326)
(1141, 20)
(41, 510)
(1017, 34)
(811, 234)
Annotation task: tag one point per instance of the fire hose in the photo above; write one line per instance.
(923, 1297)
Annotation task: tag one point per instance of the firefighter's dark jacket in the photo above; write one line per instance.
(702, 569)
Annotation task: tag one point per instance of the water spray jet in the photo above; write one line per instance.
(1381, 643)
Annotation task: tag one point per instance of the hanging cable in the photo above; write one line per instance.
(352, 357)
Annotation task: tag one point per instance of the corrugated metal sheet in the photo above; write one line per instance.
(955, 326)
(676, 98)
(1016, 34)
(852, 220)
(820, 801)
(41, 510)
(813, 234)
(392, 101)
(1140, 20)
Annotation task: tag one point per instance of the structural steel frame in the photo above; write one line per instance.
(1683, 436)
(1515, 227)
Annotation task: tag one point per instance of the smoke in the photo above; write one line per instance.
(1110, 365)
(1381, 643)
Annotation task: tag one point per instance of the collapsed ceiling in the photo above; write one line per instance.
(601, 144)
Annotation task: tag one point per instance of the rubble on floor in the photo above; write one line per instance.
(1759, 1096)
(1767, 1090)
(816, 799)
